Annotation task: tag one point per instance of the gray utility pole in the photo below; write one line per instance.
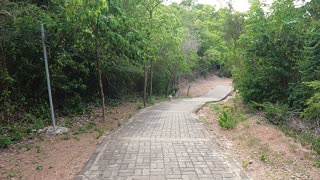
(48, 78)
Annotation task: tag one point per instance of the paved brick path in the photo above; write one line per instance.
(165, 141)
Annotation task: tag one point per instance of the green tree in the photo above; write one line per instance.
(93, 16)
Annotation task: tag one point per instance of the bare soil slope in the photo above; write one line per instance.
(262, 149)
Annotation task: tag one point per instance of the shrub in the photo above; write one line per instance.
(263, 157)
(139, 106)
(313, 104)
(4, 141)
(275, 113)
(151, 100)
(226, 120)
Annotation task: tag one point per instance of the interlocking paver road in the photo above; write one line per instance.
(165, 141)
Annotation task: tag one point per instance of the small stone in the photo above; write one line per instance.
(56, 131)
(250, 169)
(251, 161)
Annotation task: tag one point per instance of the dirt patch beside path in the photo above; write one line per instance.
(62, 157)
(262, 149)
(202, 85)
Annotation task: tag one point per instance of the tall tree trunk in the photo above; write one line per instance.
(4, 86)
(99, 74)
(151, 78)
(174, 81)
(145, 85)
(168, 85)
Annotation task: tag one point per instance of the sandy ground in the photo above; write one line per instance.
(262, 149)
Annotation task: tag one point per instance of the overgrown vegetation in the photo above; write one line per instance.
(275, 113)
(230, 114)
(278, 66)
(279, 59)
(101, 52)
(305, 138)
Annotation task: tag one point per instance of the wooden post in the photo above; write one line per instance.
(188, 90)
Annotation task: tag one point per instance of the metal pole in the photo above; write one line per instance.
(47, 75)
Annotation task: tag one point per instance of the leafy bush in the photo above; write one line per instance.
(20, 130)
(313, 104)
(113, 102)
(151, 100)
(4, 141)
(276, 57)
(226, 120)
(275, 113)
(139, 106)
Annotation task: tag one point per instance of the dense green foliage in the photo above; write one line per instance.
(119, 48)
(105, 47)
(280, 56)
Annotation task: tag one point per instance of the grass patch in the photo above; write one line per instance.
(27, 124)
(245, 164)
(5, 141)
(215, 107)
(230, 113)
(305, 138)
(139, 106)
(39, 168)
(151, 100)
(264, 156)
(275, 113)
(20, 129)
(28, 147)
(242, 117)
(66, 137)
(76, 138)
(67, 122)
(317, 164)
(85, 129)
(12, 174)
(39, 149)
(100, 131)
(226, 120)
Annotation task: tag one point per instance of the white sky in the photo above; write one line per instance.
(238, 5)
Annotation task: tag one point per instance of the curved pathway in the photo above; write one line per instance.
(165, 141)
